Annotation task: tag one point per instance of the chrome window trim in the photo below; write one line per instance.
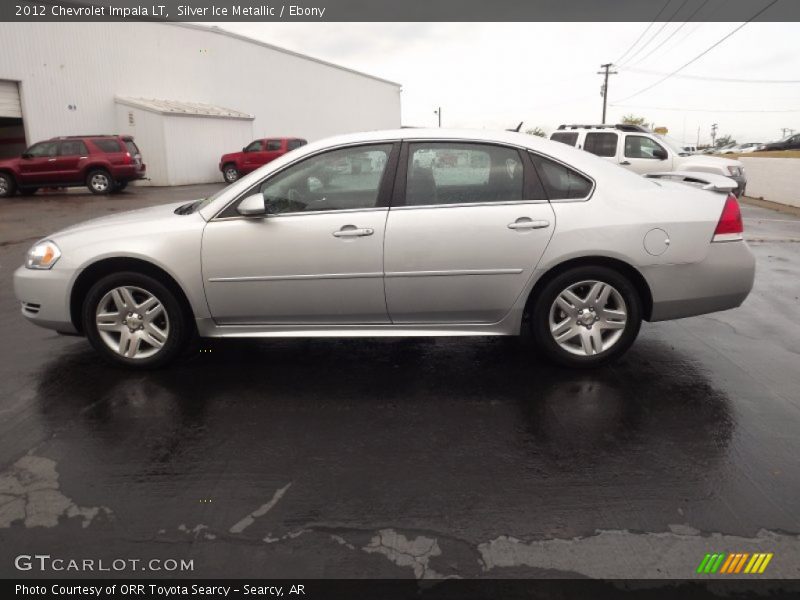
(467, 204)
(305, 213)
(571, 168)
(216, 217)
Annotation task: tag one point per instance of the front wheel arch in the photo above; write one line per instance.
(94, 272)
(623, 268)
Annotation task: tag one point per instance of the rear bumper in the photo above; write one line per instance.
(721, 281)
(45, 297)
(129, 172)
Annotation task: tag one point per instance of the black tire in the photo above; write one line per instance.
(99, 182)
(28, 191)
(545, 299)
(179, 330)
(230, 173)
(8, 186)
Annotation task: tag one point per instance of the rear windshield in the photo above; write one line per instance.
(565, 137)
(132, 148)
(107, 145)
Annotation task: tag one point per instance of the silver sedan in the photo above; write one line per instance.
(400, 233)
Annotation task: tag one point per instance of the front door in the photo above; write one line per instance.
(466, 241)
(38, 165)
(317, 258)
(253, 156)
(639, 155)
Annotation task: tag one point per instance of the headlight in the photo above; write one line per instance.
(43, 255)
(734, 171)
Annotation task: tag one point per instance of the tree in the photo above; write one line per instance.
(634, 120)
(538, 131)
(724, 140)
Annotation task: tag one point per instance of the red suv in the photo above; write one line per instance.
(254, 155)
(103, 163)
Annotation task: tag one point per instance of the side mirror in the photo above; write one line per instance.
(252, 206)
(660, 154)
(27, 155)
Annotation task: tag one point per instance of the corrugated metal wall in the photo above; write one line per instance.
(69, 74)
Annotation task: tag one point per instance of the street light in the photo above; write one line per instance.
(438, 112)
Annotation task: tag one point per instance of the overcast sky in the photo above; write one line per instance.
(493, 75)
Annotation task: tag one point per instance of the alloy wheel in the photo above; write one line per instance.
(231, 174)
(99, 182)
(132, 322)
(588, 317)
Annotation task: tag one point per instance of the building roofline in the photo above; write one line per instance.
(243, 38)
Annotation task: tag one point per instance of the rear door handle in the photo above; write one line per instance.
(526, 223)
(625, 162)
(353, 231)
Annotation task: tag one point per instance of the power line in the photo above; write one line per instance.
(644, 32)
(714, 110)
(671, 35)
(706, 51)
(657, 33)
(709, 78)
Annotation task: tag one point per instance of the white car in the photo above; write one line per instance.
(409, 232)
(745, 148)
(638, 149)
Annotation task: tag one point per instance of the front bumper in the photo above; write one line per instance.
(719, 282)
(45, 297)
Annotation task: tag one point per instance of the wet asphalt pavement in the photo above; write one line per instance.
(405, 458)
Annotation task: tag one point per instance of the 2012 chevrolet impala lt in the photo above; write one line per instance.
(400, 233)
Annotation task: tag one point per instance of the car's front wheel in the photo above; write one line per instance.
(7, 185)
(230, 173)
(134, 320)
(586, 316)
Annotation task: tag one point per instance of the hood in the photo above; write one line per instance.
(231, 155)
(140, 217)
(8, 162)
(715, 161)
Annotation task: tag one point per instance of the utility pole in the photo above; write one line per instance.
(604, 88)
(438, 111)
(714, 128)
(784, 130)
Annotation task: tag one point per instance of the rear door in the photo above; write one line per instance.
(72, 155)
(602, 144)
(468, 224)
(273, 149)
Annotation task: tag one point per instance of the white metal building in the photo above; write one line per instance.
(188, 93)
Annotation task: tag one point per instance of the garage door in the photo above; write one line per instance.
(9, 100)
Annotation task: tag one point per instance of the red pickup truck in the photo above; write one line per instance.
(256, 154)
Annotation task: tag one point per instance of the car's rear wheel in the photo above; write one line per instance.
(99, 181)
(7, 185)
(134, 320)
(28, 191)
(586, 316)
(230, 173)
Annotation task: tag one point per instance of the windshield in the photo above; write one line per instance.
(673, 144)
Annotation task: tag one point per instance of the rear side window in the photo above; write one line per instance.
(560, 182)
(132, 148)
(273, 145)
(601, 144)
(107, 145)
(73, 148)
(294, 144)
(453, 173)
(565, 137)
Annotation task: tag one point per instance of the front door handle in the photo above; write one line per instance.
(353, 231)
(625, 162)
(526, 223)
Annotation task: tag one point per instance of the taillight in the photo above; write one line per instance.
(127, 160)
(730, 225)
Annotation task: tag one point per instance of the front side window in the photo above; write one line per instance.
(560, 182)
(74, 148)
(570, 138)
(638, 146)
(253, 146)
(43, 149)
(452, 173)
(273, 145)
(349, 178)
(601, 143)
